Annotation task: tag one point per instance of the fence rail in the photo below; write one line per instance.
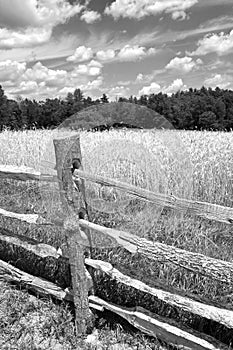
(202, 209)
(23, 173)
(68, 150)
(213, 268)
(202, 309)
(138, 317)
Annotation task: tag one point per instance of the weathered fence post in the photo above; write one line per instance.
(68, 152)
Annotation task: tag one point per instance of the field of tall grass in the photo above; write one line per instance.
(187, 164)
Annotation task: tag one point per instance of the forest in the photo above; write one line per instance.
(193, 109)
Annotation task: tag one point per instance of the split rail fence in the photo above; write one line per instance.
(70, 176)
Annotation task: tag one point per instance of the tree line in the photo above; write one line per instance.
(209, 109)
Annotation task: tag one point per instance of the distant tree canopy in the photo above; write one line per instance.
(191, 109)
(115, 113)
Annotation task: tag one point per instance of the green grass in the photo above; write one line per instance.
(189, 164)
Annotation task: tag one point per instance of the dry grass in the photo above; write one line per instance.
(188, 164)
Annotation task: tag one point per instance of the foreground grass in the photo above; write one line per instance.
(27, 322)
(188, 164)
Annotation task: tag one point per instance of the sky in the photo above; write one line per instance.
(118, 47)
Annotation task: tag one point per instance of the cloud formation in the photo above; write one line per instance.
(90, 16)
(11, 70)
(39, 81)
(134, 53)
(81, 54)
(40, 73)
(220, 43)
(106, 55)
(184, 64)
(30, 23)
(223, 81)
(35, 13)
(175, 86)
(155, 88)
(93, 68)
(140, 9)
(26, 38)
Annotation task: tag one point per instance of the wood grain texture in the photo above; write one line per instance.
(140, 318)
(202, 209)
(158, 327)
(29, 218)
(222, 316)
(44, 251)
(36, 284)
(67, 150)
(213, 268)
(24, 174)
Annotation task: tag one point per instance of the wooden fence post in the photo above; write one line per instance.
(67, 152)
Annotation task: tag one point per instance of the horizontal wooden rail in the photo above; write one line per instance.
(202, 209)
(210, 312)
(24, 174)
(44, 251)
(140, 318)
(36, 284)
(159, 327)
(213, 268)
(29, 218)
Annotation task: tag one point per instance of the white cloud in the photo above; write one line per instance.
(35, 13)
(94, 63)
(94, 71)
(40, 82)
(25, 80)
(181, 15)
(175, 86)
(30, 23)
(90, 16)
(106, 55)
(222, 81)
(32, 90)
(126, 54)
(24, 38)
(90, 85)
(81, 54)
(153, 88)
(11, 70)
(80, 69)
(40, 73)
(11, 12)
(139, 77)
(27, 87)
(184, 64)
(93, 68)
(148, 78)
(94, 84)
(220, 43)
(143, 8)
(134, 53)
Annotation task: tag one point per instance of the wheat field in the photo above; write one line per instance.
(193, 163)
(188, 164)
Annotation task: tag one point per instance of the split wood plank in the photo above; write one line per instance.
(213, 268)
(202, 209)
(24, 173)
(222, 316)
(158, 327)
(36, 284)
